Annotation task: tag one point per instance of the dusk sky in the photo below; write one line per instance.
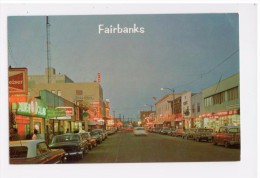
(184, 52)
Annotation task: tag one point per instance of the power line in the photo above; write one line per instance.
(203, 75)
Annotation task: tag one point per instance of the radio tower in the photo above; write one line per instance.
(48, 48)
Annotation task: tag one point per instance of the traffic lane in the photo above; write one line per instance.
(124, 147)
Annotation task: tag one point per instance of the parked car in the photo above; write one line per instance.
(227, 136)
(189, 133)
(101, 132)
(96, 135)
(92, 142)
(203, 134)
(171, 132)
(34, 152)
(139, 131)
(178, 133)
(111, 131)
(157, 130)
(165, 131)
(74, 144)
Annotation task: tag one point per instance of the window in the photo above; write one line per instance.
(218, 98)
(193, 108)
(59, 92)
(18, 152)
(198, 107)
(232, 93)
(208, 101)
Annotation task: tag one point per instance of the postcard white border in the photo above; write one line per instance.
(247, 167)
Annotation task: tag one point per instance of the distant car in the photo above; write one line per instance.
(165, 131)
(227, 136)
(157, 130)
(101, 132)
(96, 135)
(34, 152)
(203, 134)
(92, 142)
(74, 144)
(188, 133)
(139, 131)
(178, 133)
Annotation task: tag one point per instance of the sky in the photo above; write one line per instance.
(180, 51)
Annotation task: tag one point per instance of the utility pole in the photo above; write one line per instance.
(48, 47)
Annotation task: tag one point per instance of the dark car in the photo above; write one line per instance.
(96, 135)
(34, 152)
(203, 134)
(74, 144)
(165, 131)
(92, 142)
(101, 132)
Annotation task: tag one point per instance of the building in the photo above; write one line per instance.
(196, 110)
(88, 95)
(222, 103)
(49, 77)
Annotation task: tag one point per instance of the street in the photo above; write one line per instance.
(124, 147)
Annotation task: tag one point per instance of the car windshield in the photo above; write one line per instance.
(139, 128)
(18, 152)
(94, 133)
(65, 138)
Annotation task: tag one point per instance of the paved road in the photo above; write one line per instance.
(124, 147)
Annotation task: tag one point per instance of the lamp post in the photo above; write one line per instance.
(150, 106)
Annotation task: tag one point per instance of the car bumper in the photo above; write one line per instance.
(73, 154)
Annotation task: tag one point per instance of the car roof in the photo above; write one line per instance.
(31, 144)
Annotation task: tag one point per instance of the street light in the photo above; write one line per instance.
(172, 90)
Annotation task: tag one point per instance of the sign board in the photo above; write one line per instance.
(18, 81)
(69, 112)
(17, 98)
(33, 108)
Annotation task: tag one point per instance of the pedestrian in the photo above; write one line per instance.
(14, 134)
(35, 134)
(68, 131)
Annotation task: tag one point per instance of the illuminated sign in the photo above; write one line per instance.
(33, 108)
(18, 81)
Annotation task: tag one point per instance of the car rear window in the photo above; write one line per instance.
(18, 152)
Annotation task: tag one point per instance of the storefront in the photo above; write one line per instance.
(30, 116)
(222, 118)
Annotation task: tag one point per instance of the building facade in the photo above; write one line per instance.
(222, 103)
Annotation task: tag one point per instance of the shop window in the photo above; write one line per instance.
(59, 92)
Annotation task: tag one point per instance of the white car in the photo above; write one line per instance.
(34, 152)
(139, 131)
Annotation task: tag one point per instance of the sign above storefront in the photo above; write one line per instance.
(18, 81)
(34, 108)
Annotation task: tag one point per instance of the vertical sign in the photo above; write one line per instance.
(99, 77)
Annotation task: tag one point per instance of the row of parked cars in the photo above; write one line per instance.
(226, 135)
(61, 148)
